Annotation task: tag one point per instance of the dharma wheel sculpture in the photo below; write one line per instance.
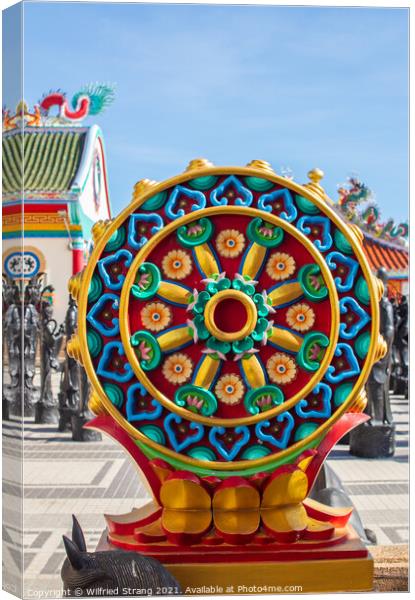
(228, 320)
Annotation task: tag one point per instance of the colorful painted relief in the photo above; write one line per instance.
(228, 319)
(356, 203)
(23, 264)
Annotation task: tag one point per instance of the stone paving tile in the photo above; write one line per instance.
(91, 479)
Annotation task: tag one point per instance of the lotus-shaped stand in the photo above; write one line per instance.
(266, 508)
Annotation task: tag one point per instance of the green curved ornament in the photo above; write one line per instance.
(116, 240)
(150, 278)
(312, 350)
(342, 243)
(202, 299)
(306, 206)
(244, 286)
(114, 393)
(199, 323)
(260, 329)
(95, 288)
(94, 342)
(154, 433)
(255, 452)
(258, 184)
(218, 346)
(203, 183)
(362, 344)
(149, 354)
(312, 283)
(155, 202)
(304, 431)
(196, 393)
(362, 291)
(217, 286)
(261, 305)
(262, 399)
(256, 233)
(242, 346)
(189, 240)
(342, 393)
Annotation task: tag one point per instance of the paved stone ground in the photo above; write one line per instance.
(63, 477)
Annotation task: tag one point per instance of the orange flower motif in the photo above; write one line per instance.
(230, 243)
(280, 266)
(177, 264)
(301, 317)
(229, 389)
(156, 316)
(281, 368)
(177, 368)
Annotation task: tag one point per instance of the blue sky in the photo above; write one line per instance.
(299, 87)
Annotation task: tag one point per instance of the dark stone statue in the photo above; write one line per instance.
(378, 406)
(11, 345)
(74, 390)
(21, 328)
(376, 438)
(28, 327)
(401, 349)
(113, 572)
(395, 366)
(69, 395)
(31, 326)
(12, 329)
(51, 339)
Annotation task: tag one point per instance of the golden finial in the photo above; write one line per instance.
(359, 403)
(379, 286)
(263, 165)
(357, 232)
(315, 176)
(95, 404)
(73, 348)
(74, 285)
(381, 348)
(198, 163)
(141, 187)
(99, 228)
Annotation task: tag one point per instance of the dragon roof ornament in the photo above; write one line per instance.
(356, 204)
(90, 100)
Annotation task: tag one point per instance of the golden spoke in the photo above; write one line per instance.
(285, 339)
(254, 260)
(253, 371)
(174, 292)
(174, 338)
(206, 372)
(206, 260)
(285, 293)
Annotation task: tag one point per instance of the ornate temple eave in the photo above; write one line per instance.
(394, 258)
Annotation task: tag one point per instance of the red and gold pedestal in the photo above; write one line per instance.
(228, 321)
(259, 568)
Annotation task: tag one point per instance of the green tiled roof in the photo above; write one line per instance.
(51, 160)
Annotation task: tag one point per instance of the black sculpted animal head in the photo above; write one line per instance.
(112, 572)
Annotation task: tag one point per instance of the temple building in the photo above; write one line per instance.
(385, 242)
(394, 258)
(54, 189)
